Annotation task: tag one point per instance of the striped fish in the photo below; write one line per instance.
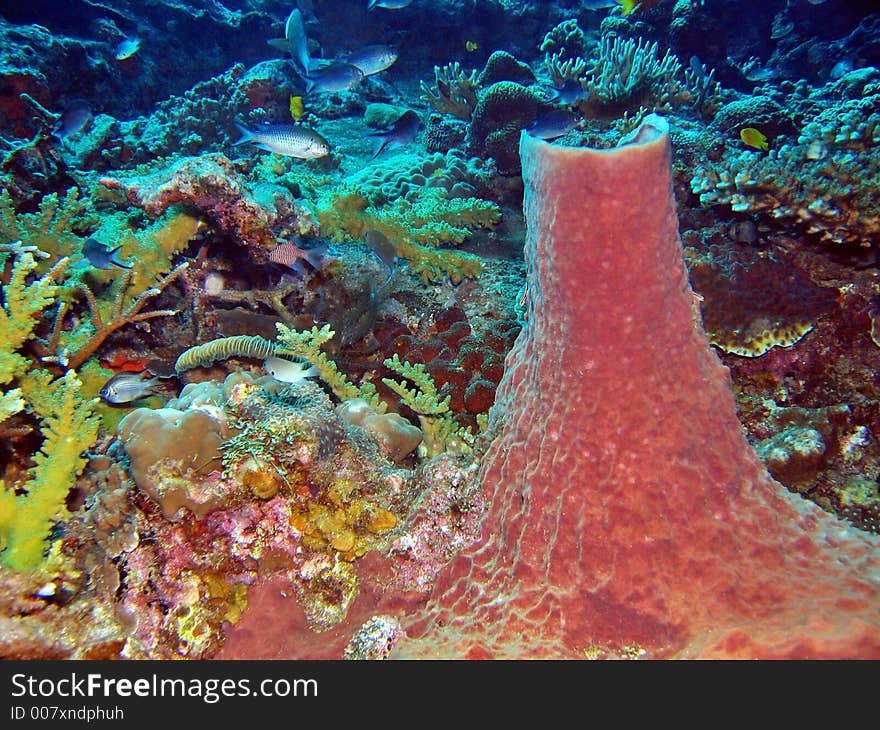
(290, 255)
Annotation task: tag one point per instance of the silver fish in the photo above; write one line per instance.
(101, 257)
(403, 131)
(127, 387)
(291, 140)
(289, 371)
(335, 77)
(373, 59)
(553, 124)
(295, 43)
(388, 4)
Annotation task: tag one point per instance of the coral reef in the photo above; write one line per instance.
(181, 523)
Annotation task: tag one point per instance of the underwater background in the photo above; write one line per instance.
(262, 264)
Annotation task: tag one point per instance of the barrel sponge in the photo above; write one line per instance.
(171, 453)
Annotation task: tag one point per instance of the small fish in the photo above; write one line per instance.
(101, 257)
(295, 43)
(816, 150)
(571, 92)
(628, 6)
(335, 77)
(379, 244)
(373, 59)
(403, 131)
(598, 4)
(780, 27)
(388, 4)
(127, 47)
(753, 138)
(76, 115)
(289, 371)
(291, 140)
(290, 255)
(553, 124)
(471, 46)
(127, 387)
(840, 69)
(698, 67)
(297, 109)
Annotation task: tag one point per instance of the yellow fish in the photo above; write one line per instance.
(627, 6)
(753, 138)
(296, 107)
(471, 46)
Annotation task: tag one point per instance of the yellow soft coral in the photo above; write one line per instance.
(69, 428)
(66, 420)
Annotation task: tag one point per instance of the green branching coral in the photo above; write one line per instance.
(307, 345)
(22, 302)
(69, 427)
(416, 228)
(66, 419)
(439, 429)
(51, 229)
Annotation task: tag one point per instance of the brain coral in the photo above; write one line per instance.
(502, 111)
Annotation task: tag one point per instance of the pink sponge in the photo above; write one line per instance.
(629, 515)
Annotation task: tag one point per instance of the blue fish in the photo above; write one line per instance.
(295, 43)
(101, 257)
(403, 131)
(553, 124)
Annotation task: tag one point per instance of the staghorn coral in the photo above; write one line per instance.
(454, 91)
(415, 229)
(307, 345)
(51, 229)
(102, 326)
(630, 73)
(561, 72)
(440, 432)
